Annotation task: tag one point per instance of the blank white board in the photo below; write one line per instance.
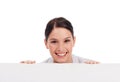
(59, 72)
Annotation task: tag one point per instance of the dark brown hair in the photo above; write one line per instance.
(59, 22)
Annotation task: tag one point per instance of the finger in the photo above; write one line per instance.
(22, 61)
(91, 62)
(28, 62)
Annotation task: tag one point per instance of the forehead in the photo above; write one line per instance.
(60, 33)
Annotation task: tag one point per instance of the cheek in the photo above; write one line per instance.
(69, 46)
(52, 48)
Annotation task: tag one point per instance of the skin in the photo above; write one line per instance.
(60, 41)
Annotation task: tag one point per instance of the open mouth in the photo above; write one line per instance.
(61, 54)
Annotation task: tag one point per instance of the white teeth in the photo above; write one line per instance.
(60, 54)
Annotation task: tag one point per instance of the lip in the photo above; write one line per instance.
(61, 54)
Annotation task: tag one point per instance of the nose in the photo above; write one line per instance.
(60, 47)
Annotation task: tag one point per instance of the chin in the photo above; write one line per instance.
(62, 58)
(60, 61)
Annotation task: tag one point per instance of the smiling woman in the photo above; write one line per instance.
(60, 40)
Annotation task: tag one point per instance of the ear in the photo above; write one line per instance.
(45, 43)
(74, 40)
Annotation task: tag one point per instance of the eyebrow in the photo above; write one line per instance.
(53, 39)
(56, 39)
(67, 37)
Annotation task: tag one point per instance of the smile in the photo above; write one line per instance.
(61, 54)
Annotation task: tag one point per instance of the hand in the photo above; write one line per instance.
(28, 62)
(92, 62)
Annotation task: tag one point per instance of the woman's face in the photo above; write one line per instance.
(60, 43)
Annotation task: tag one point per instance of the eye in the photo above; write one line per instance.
(53, 42)
(67, 41)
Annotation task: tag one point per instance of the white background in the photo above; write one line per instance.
(96, 24)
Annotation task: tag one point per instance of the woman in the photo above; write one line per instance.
(60, 40)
